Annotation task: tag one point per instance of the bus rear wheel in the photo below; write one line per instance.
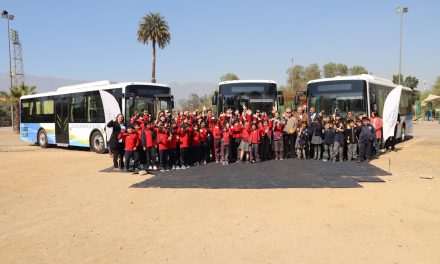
(42, 138)
(97, 142)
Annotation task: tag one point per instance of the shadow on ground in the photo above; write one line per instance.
(268, 175)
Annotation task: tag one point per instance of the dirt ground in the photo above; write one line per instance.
(56, 207)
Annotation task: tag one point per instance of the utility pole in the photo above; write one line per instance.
(401, 11)
(9, 17)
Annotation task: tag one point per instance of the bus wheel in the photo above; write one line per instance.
(97, 142)
(42, 138)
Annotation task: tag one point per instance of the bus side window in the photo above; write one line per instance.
(95, 110)
(78, 109)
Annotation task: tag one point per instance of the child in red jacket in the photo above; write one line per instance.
(141, 158)
(196, 145)
(244, 144)
(184, 133)
(204, 142)
(217, 134)
(236, 139)
(225, 143)
(131, 140)
(148, 138)
(162, 143)
(173, 140)
(254, 140)
(278, 141)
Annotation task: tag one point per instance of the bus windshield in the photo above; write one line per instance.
(152, 98)
(337, 97)
(253, 95)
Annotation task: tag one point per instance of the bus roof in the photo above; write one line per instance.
(247, 81)
(366, 77)
(90, 86)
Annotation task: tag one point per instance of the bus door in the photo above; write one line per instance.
(62, 123)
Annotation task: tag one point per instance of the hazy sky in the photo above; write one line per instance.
(95, 40)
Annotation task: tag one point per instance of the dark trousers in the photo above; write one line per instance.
(235, 153)
(224, 153)
(130, 155)
(150, 154)
(265, 148)
(254, 152)
(365, 148)
(211, 151)
(289, 144)
(142, 157)
(204, 151)
(217, 146)
(184, 156)
(172, 157)
(118, 155)
(163, 158)
(196, 154)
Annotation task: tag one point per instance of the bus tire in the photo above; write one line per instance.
(42, 138)
(97, 142)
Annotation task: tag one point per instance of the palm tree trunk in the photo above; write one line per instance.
(16, 127)
(153, 69)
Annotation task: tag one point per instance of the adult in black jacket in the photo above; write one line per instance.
(116, 145)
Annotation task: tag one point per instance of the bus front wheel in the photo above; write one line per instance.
(42, 138)
(97, 142)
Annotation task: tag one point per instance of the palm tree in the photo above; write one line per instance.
(13, 98)
(154, 28)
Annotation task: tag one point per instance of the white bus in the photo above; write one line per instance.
(74, 115)
(360, 94)
(254, 94)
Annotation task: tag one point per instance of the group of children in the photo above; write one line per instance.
(191, 139)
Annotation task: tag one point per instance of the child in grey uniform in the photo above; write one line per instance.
(329, 138)
(339, 142)
(352, 135)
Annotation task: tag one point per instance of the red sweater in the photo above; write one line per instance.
(236, 131)
(147, 138)
(225, 137)
(131, 140)
(195, 141)
(162, 141)
(255, 136)
(184, 138)
(172, 144)
(203, 134)
(216, 131)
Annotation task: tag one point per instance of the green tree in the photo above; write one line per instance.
(297, 78)
(332, 69)
(13, 97)
(312, 72)
(229, 77)
(357, 69)
(410, 82)
(153, 28)
(396, 78)
(436, 87)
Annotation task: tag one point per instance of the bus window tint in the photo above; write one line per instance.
(48, 107)
(338, 97)
(78, 109)
(95, 110)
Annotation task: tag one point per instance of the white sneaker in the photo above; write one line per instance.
(154, 167)
(150, 168)
(196, 164)
(174, 168)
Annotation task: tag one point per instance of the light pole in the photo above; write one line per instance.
(401, 10)
(293, 92)
(9, 17)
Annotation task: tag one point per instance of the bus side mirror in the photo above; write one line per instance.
(281, 99)
(214, 99)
